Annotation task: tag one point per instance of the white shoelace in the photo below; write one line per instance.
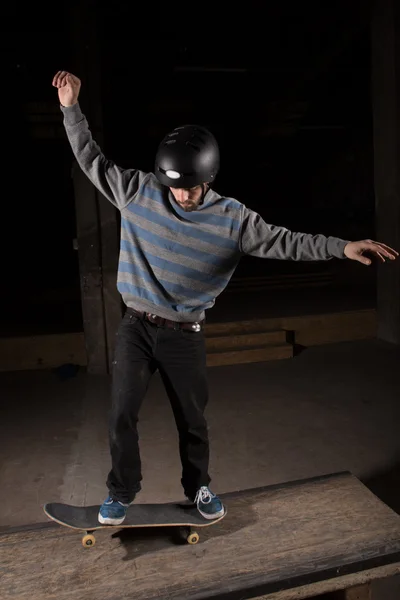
(204, 495)
(111, 501)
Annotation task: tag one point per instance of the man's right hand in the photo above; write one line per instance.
(68, 87)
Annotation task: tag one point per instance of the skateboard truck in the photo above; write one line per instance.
(89, 540)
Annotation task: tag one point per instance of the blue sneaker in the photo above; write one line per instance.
(208, 504)
(112, 512)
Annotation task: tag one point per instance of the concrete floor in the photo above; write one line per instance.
(329, 409)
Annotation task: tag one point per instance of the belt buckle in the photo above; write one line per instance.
(196, 327)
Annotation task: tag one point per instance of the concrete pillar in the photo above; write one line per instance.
(97, 219)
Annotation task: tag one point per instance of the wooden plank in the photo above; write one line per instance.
(323, 589)
(357, 322)
(305, 330)
(244, 355)
(333, 328)
(273, 542)
(314, 336)
(385, 40)
(261, 338)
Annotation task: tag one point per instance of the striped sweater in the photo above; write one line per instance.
(175, 263)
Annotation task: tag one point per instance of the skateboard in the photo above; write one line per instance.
(85, 518)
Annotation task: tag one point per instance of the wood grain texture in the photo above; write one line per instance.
(323, 589)
(274, 540)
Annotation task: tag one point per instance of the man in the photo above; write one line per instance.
(180, 245)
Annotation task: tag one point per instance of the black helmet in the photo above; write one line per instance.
(186, 157)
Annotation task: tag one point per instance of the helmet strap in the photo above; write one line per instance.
(205, 188)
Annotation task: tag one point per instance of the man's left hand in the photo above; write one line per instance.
(356, 250)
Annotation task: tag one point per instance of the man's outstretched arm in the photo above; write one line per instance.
(116, 184)
(258, 238)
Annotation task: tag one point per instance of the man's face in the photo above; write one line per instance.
(188, 198)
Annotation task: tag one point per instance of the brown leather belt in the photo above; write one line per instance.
(161, 322)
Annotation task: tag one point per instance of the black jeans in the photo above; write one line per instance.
(180, 356)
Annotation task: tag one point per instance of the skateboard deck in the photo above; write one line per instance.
(85, 518)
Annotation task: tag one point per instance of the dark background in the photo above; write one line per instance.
(284, 87)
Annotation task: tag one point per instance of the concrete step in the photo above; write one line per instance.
(233, 328)
(249, 355)
(244, 340)
(306, 330)
(50, 351)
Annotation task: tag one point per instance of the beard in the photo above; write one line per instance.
(189, 207)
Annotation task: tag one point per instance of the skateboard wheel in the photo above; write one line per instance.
(88, 540)
(193, 538)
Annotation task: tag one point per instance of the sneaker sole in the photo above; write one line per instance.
(213, 516)
(108, 521)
